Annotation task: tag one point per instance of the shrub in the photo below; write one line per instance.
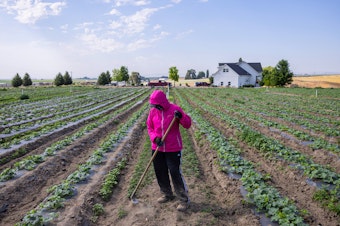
(24, 97)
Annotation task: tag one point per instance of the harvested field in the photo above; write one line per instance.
(323, 81)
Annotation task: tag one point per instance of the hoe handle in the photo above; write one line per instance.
(152, 158)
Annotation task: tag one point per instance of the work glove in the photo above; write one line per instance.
(158, 141)
(178, 114)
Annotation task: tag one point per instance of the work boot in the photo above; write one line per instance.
(183, 206)
(165, 198)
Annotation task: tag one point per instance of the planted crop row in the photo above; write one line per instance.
(8, 96)
(265, 197)
(289, 109)
(48, 128)
(69, 115)
(297, 110)
(302, 102)
(46, 211)
(31, 162)
(310, 92)
(29, 109)
(55, 112)
(268, 145)
(273, 148)
(244, 111)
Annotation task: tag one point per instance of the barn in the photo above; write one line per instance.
(240, 74)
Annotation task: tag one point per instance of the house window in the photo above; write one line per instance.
(221, 83)
(225, 70)
(229, 83)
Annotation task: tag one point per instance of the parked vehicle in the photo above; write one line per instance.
(202, 84)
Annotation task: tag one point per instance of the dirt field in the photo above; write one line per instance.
(216, 198)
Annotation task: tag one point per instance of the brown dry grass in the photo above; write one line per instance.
(324, 81)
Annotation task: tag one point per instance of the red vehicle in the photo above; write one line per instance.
(159, 83)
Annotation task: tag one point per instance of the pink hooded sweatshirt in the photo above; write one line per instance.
(159, 120)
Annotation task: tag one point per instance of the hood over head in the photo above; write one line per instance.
(158, 97)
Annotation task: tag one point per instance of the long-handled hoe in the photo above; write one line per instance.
(132, 197)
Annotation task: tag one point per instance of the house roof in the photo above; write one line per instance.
(240, 71)
(256, 66)
(235, 67)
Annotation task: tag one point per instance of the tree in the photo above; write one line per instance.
(116, 75)
(187, 75)
(121, 74)
(102, 79)
(26, 81)
(108, 77)
(67, 79)
(124, 73)
(283, 74)
(211, 80)
(268, 76)
(135, 78)
(16, 81)
(201, 74)
(59, 80)
(207, 74)
(191, 74)
(278, 76)
(173, 74)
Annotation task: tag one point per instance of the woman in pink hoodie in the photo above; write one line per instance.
(168, 158)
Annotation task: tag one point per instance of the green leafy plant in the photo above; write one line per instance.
(7, 174)
(111, 180)
(98, 209)
(122, 213)
(32, 218)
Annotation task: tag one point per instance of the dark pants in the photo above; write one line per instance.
(166, 162)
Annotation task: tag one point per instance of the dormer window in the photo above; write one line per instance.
(225, 70)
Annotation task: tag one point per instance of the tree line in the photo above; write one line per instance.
(135, 78)
(119, 75)
(59, 80)
(191, 74)
(18, 81)
(279, 75)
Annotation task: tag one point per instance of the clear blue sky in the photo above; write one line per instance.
(87, 37)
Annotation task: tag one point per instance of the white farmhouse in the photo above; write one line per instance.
(238, 74)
